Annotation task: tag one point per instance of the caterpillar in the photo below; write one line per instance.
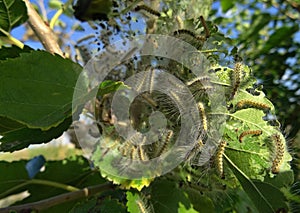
(249, 132)
(249, 103)
(142, 154)
(184, 31)
(198, 80)
(147, 9)
(203, 22)
(279, 152)
(192, 153)
(141, 79)
(203, 116)
(219, 158)
(190, 33)
(166, 140)
(238, 67)
(151, 80)
(142, 206)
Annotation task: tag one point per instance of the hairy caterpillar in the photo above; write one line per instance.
(219, 158)
(249, 132)
(203, 116)
(190, 33)
(238, 67)
(166, 140)
(279, 152)
(193, 152)
(184, 31)
(144, 205)
(249, 103)
(142, 154)
(147, 9)
(198, 80)
(151, 80)
(203, 22)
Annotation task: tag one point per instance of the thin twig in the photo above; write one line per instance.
(43, 9)
(43, 32)
(59, 199)
(10, 39)
(59, 13)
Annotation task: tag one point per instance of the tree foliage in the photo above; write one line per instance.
(235, 158)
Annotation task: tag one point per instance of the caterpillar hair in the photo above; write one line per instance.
(203, 116)
(203, 22)
(219, 158)
(144, 205)
(193, 152)
(249, 132)
(142, 154)
(165, 140)
(249, 103)
(279, 152)
(141, 81)
(147, 9)
(190, 33)
(237, 72)
(151, 80)
(184, 31)
(133, 153)
(200, 80)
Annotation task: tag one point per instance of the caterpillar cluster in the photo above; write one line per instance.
(147, 9)
(254, 104)
(219, 158)
(139, 152)
(279, 153)
(249, 132)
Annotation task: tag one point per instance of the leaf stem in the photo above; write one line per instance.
(40, 182)
(59, 199)
(59, 13)
(12, 39)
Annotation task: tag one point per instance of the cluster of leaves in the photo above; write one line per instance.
(36, 106)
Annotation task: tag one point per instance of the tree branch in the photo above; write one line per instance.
(59, 199)
(43, 32)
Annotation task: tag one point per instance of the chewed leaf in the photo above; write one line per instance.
(259, 192)
(125, 183)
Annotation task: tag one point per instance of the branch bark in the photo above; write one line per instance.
(42, 31)
(59, 199)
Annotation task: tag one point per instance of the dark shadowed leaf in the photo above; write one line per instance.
(37, 89)
(13, 13)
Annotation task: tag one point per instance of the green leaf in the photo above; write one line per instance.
(106, 205)
(259, 21)
(13, 51)
(279, 37)
(110, 86)
(226, 5)
(7, 125)
(55, 4)
(37, 89)
(74, 171)
(261, 197)
(167, 197)
(23, 137)
(13, 13)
